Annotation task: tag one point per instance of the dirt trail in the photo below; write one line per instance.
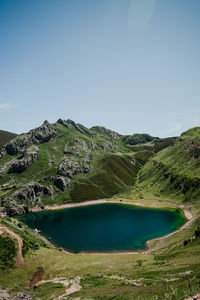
(37, 276)
(19, 258)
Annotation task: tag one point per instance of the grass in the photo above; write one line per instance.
(5, 137)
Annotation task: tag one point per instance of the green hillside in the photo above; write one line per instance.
(175, 171)
(5, 137)
(66, 162)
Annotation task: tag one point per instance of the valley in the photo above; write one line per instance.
(66, 164)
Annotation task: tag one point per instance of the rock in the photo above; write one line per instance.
(24, 161)
(22, 296)
(79, 149)
(93, 145)
(27, 195)
(86, 164)
(104, 131)
(62, 183)
(12, 208)
(21, 141)
(2, 152)
(44, 133)
(109, 147)
(72, 150)
(69, 167)
(4, 295)
(38, 135)
(64, 123)
(78, 127)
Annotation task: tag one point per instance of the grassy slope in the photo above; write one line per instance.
(175, 171)
(5, 137)
(111, 173)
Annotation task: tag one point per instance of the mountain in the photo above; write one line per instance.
(67, 162)
(6, 136)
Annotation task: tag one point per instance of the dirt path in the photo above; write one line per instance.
(19, 258)
(37, 276)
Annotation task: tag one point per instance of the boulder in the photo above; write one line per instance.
(24, 161)
(62, 183)
(2, 152)
(69, 167)
(14, 146)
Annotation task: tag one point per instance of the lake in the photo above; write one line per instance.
(104, 227)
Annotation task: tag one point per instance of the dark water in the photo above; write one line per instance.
(104, 227)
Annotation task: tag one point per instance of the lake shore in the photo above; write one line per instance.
(189, 216)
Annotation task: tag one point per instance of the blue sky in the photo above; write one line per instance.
(129, 65)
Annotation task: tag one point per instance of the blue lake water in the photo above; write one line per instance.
(104, 227)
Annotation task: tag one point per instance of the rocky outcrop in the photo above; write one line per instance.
(23, 199)
(2, 152)
(24, 161)
(13, 209)
(80, 148)
(38, 135)
(78, 127)
(109, 147)
(21, 141)
(4, 295)
(69, 167)
(43, 133)
(62, 183)
(104, 131)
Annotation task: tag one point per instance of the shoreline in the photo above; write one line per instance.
(187, 214)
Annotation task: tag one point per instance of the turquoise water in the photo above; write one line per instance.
(104, 227)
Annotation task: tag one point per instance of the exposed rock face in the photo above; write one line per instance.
(2, 152)
(79, 149)
(24, 161)
(69, 167)
(105, 131)
(86, 164)
(13, 147)
(71, 124)
(62, 183)
(26, 195)
(41, 134)
(31, 191)
(12, 208)
(109, 147)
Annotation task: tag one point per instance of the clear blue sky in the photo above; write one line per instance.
(129, 65)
